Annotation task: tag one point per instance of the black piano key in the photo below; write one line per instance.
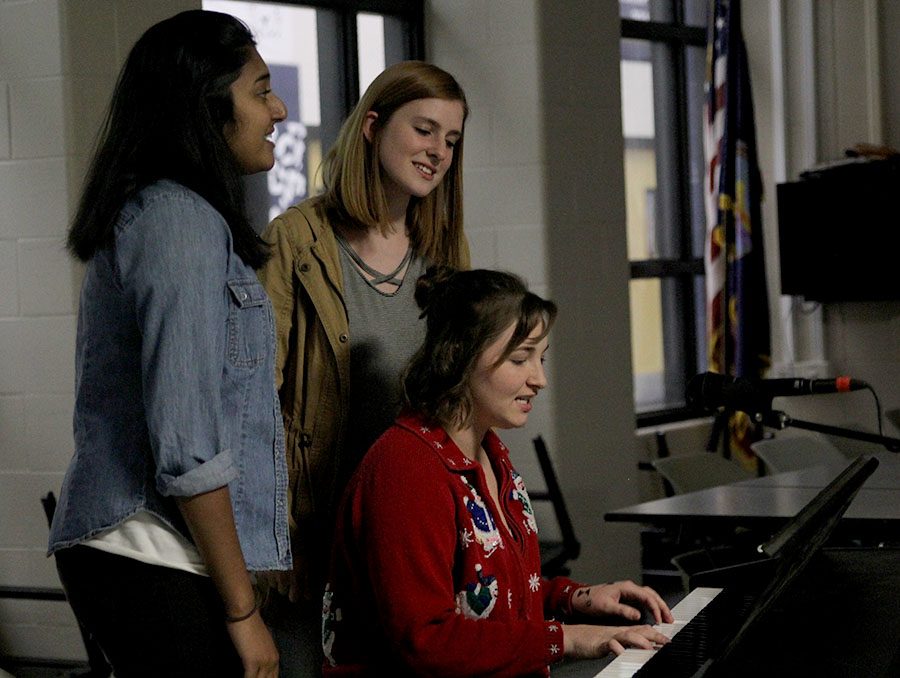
(710, 628)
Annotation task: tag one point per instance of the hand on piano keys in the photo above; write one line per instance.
(623, 599)
(631, 660)
(609, 599)
(588, 641)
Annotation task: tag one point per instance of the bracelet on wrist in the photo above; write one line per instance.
(239, 618)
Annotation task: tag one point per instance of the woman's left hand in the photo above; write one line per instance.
(607, 599)
(255, 646)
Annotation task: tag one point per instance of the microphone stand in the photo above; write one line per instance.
(780, 420)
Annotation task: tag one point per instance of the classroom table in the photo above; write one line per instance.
(766, 503)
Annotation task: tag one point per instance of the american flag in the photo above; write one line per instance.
(736, 296)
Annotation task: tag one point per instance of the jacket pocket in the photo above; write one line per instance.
(249, 322)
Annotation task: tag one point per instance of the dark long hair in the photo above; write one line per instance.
(465, 311)
(167, 120)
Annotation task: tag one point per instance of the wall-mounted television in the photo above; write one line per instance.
(837, 227)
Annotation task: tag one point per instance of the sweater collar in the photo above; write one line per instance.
(442, 444)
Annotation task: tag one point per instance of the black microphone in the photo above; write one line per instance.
(710, 391)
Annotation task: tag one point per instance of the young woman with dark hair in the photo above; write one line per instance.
(341, 280)
(178, 483)
(436, 567)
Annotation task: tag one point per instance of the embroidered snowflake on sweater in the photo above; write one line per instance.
(534, 582)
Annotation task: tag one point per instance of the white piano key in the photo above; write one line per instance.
(626, 664)
(692, 603)
(630, 662)
(669, 630)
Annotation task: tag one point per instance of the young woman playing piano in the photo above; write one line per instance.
(436, 567)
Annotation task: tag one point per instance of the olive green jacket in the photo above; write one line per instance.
(312, 373)
(312, 366)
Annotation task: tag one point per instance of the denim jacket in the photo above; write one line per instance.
(174, 381)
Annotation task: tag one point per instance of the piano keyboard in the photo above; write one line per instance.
(630, 662)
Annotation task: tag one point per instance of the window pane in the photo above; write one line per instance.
(695, 66)
(382, 40)
(700, 323)
(647, 345)
(648, 10)
(653, 172)
(695, 12)
(640, 152)
(637, 10)
(640, 196)
(287, 39)
(662, 341)
(370, 42)
(663, 11)
(670, 205)
(654, 155)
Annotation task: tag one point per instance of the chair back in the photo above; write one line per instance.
(697, 471)
(555, 554)
(792, 453)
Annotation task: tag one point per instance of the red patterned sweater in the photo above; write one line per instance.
(425, 580)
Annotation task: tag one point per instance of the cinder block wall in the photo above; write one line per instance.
(37, 316)
(58, 62)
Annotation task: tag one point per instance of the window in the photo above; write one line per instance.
(321, 55)
(663, 54)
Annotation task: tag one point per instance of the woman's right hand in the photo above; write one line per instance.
(586, 641)
(255, 647)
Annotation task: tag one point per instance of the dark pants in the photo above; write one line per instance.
(297, 631)
(149, 620)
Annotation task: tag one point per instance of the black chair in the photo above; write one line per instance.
(36, 592)
(555, 553)
(98, 667)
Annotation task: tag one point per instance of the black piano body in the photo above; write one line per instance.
(840, 619)
(791, 607)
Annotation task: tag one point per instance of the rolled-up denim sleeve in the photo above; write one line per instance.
(173, 265)
(211, 474)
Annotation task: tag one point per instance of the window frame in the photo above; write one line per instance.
(677, 275)
(411, 11)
